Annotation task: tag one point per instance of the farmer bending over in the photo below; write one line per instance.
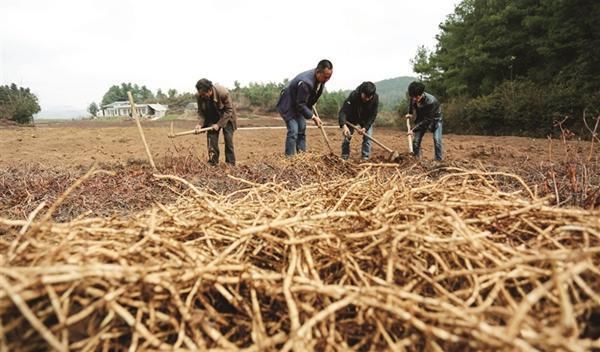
(216, 110)
(429, 117)
(296, 102)
(360, 109)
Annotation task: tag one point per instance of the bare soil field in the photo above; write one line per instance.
(496, 248)
(39, 163)
(81, 143)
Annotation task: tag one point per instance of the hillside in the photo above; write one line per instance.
(392, 91)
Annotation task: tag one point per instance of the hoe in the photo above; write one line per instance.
(394, 155)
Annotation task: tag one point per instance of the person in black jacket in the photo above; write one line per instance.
(429, 117)
(296, 102)
(360, 109)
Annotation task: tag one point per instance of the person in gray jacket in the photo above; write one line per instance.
(296, 102)
(359, 109)
(429, 117)
(216, 110)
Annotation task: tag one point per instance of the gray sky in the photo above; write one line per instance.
(70, 52)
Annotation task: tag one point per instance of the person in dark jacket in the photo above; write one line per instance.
(360, 109)
(296, 102)
(428, 117)
(216, 110)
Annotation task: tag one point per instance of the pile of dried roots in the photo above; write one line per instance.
(382, 260)
(131, 187)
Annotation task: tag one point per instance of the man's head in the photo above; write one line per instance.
(324, 71)
(416, 90)
(204, 88)
(367, 91)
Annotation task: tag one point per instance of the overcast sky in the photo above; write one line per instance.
(70, 52)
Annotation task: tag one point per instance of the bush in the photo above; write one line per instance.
(515, 108)
(262, 96)
(389, 119)
(329, 104)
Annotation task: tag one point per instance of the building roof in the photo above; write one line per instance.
(116, 104)
(125, 104)
(158, 107)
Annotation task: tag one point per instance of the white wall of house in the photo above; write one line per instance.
(123, 109)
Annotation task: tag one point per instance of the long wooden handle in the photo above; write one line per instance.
(410, 147)
(323, 131)
(135, 116)
(185, 133)
(172, 134)
(371, 138)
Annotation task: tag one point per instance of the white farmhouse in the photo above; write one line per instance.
(123, 108)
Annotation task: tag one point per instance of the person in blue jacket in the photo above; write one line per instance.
(296, 102)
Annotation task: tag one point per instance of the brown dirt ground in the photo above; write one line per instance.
(38, 164)
(81, 143)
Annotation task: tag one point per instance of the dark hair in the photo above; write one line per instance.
(323, 64)
(415, 88)
(203, 85)
(368, 88)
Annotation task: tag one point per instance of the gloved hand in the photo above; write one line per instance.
(346, 132)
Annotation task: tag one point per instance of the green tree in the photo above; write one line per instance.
(263, 96)
(145, 94)
(330, 102)
(119, 93)
(485, 42)
(93, 109)
(489, 48)
(160, 96)
(18, 104)
(114, 93)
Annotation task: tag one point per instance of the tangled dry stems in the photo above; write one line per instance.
(448, 259)
(132, 188)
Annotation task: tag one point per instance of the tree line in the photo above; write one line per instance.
(499, 67)
(18, 104)
(142, 95)
(515, 66)
(255, 98)
(263, 97)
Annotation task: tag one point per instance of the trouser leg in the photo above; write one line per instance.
(291, 137)
(366, 144)
(437, 140)
(229, 149)
(212, 139)
(346, 145)
(301, 142)
(417, 138)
